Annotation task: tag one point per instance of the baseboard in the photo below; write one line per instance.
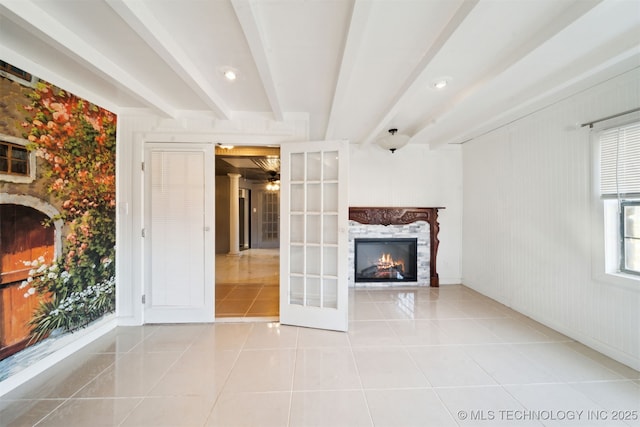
(615, 354)
(596, 345)
(450, 280)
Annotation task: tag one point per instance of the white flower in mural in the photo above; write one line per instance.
(65, 276)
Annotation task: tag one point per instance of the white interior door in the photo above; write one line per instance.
(314, 222)
(179, 237)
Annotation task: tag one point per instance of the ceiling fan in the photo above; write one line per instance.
(273, 182)
(271, 165)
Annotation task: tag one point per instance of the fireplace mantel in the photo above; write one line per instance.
(401, 216)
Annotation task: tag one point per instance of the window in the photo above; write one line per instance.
(14, 159)
(620, 162)
(270, 216)
(620, 181)
(15, 71)
(630, 233)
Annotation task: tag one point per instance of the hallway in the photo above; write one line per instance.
(248, 286)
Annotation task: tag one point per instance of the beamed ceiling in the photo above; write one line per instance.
(340, 69)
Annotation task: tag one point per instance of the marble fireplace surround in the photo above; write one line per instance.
(386, 216)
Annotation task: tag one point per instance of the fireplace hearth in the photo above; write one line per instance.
(386, 260)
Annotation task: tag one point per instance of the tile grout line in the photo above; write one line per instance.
(362, 390)
(226, 380)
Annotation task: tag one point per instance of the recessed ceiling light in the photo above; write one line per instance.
(230, 75)
(440, 84)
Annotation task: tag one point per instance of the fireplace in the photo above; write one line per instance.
(396, 223)
(386, 260)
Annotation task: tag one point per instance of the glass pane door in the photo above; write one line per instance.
(313, 279)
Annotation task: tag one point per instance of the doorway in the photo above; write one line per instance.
(247, 280)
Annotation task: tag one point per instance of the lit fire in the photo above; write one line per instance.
(386, 262)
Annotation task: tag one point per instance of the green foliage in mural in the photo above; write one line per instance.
(77, 141)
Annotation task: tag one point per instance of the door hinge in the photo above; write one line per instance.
(142, 166)
(144, 299)
(143, 232)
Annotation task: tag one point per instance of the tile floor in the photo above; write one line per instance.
(412, 357)
(247, 286)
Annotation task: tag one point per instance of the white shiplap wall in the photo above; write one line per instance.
(531, 219)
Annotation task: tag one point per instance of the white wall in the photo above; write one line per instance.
(532, 223)
(414, 176)
(129, 255)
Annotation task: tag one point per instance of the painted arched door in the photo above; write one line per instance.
(23, 237)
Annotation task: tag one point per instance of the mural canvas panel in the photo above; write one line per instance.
(57, 216)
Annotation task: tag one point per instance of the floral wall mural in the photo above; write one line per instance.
(73, 142)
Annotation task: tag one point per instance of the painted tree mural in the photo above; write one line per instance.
(77, 141)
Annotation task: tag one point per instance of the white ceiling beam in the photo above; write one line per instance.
(52, 32)
(545, 97)
(25, 62)
(247, 18)
(353, 43)
(410, 84)
(138, 16)
(543, 35)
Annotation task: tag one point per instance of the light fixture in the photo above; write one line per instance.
(441, 82)
(273, 183)
(394, 141)
(230, 75)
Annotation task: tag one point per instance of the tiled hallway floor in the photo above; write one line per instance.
(247, 286)
(412, 357)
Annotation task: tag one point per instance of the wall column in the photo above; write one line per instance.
(234, 212)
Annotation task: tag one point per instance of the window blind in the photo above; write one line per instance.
(620, 161)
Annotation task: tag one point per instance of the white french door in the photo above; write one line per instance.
(179, 236)
(314, 222)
